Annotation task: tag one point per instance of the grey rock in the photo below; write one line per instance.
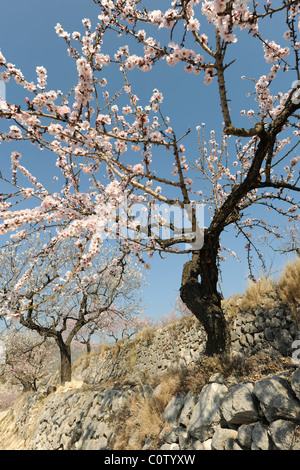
(254, 447)
(186, 412)
(50, 389)
(75, 434)
(184, 439)
(238, 406)
(147, 445)
(97, 444)
(224, 439)
(173, 409)
(276, 323)
(177, 435)
(283, 341)
(269, 335)
(217, 378)
(276, 399)
(236, 446)
(272, 312)
(260, 437)
(243, 341)
(206, 414)
(245, 435)
(295, 383)
(283, 434)
(102, 430)
(65, 442)
(259, 337)
(165, 447)
(173, 436)
(206, 445)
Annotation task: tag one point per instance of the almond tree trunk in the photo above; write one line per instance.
(203, 299)
(65, 361)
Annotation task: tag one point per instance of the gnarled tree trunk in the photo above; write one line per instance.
(202, 297)
(65, 361)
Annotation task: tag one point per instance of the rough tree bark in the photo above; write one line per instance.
(65, 360)
(203, 299)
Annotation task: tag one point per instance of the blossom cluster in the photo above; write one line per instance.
(94, 133)
(274, 52)
(226, 16)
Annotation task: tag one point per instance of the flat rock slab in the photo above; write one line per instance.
(277, 399)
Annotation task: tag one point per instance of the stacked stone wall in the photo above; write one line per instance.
(182, 343)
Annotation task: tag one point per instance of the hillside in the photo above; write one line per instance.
(158, 390)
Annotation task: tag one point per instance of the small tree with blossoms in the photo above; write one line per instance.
(106, 145)
(28, 358)
(46, 294)
(113, 326)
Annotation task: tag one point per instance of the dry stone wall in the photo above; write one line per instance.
(152, 352)
(273, 329)
(261, 415)
(182, 343)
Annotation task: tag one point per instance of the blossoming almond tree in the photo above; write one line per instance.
(106, 145)
(28, 358)
(52, 298)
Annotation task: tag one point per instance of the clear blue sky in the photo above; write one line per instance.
(28, 39)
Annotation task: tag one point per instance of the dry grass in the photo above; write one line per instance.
(289, 286)
(266, 293)
(170, 384)
(104, 348)
(131, 356)
(131, 346)
(230, 308)
(233, 369)
(141, 418)
(146, 335)
(83, 358)
(260, 293)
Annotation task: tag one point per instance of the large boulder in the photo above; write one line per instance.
(260, 438)
(173, 409)
(277, 399)
(206, 414)
(239, 405)
(224, 439)
(295, 383)
(284, 435)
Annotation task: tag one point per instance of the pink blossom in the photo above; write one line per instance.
(27, 192)
(42, 77)
(61, 32)
(103, 119)
(274, 52)
(102, 59)
(138, 169)
(193, 24)
(63, 110)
